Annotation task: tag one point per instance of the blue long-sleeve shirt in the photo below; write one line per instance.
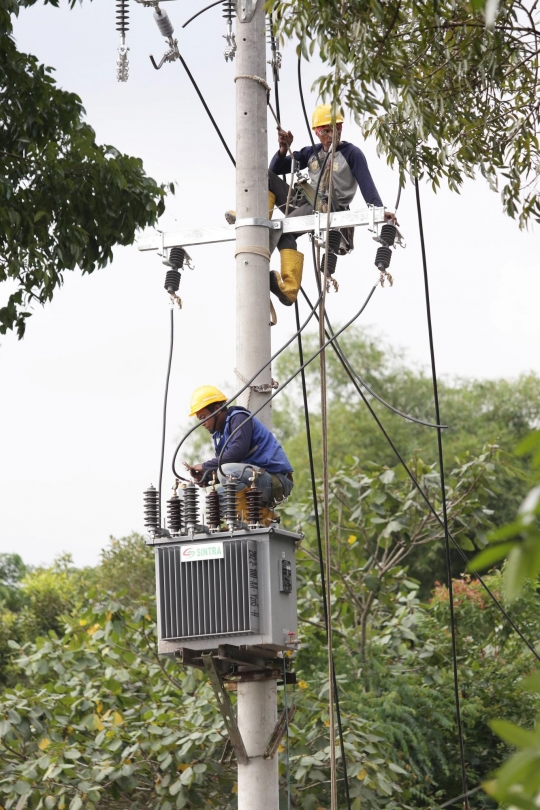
(239, 446)
(350, 171)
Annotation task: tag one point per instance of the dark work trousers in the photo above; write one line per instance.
(280, 189)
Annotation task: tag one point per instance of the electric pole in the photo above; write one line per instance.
(258, 785)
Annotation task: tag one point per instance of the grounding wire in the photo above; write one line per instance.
(443, 500)
(164, 426)
(202, 10)
(205, 105)
(241, 390)
(293, 375)
(345, 363)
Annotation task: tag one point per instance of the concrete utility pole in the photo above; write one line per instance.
(252, 268)
(258, 784)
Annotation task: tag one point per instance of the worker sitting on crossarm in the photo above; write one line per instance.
(350, 171)
(253, 448)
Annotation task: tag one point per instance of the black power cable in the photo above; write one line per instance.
(347, 367)
(205, 105)
(241, 390)
(206, 8)
(320, 548)
(443, 499)
(294, 374)
(164, 427)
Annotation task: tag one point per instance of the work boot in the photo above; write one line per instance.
(268, 516)
(230, 216)
(286, 285)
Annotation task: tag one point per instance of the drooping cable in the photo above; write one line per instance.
(205, 105)
(461, 797)
(202, 10)
(246, 385)
(287, 381)
(164, 425)
(346, 365)
(443, 499)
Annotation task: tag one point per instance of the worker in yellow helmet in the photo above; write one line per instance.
(350, 172)
(252, 448)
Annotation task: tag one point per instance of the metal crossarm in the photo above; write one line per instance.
(312, 223)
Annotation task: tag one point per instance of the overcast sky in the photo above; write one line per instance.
(82, 393)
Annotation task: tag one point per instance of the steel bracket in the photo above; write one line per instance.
(278, 732)
(225, 708)
(272, 224)
(246, 10)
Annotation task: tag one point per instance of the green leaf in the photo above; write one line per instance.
(515, 735)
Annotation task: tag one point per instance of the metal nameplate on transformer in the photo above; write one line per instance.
(201, 551)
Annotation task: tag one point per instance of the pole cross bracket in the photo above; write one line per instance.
(272, 224)
(246, 10)
(225, 708)
(278, 732)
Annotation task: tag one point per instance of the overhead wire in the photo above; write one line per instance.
(346, 365)
(202, 10)
(205, 105)
(453, 630)
(350, 372)
(291, 377)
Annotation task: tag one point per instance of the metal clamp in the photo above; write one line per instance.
(271, 224)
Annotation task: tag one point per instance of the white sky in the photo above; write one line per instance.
(82, 393)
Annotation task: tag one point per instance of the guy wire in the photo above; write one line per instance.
(443, 498)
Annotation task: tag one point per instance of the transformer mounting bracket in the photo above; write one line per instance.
(225, 708)
(278, 732)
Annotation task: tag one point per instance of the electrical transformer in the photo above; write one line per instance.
(232, 587)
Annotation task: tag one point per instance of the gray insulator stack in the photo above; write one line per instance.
(213, 511)
(151, 509)
(191, 507)
(231, 507)
(175, 508)
(163, 23)
(254, 507)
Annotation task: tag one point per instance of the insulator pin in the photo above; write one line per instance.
(151, 509)
(163, 23)
(331, 262)
(388, 234)
(229, 10)
(122, 16)
(383, 258)
(334, 241)
(191, 507)
(176, 257)
(172, 281)
(213, 510)
(174, 515)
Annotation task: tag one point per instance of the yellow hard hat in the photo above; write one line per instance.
(203, 397)
(322, 116)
